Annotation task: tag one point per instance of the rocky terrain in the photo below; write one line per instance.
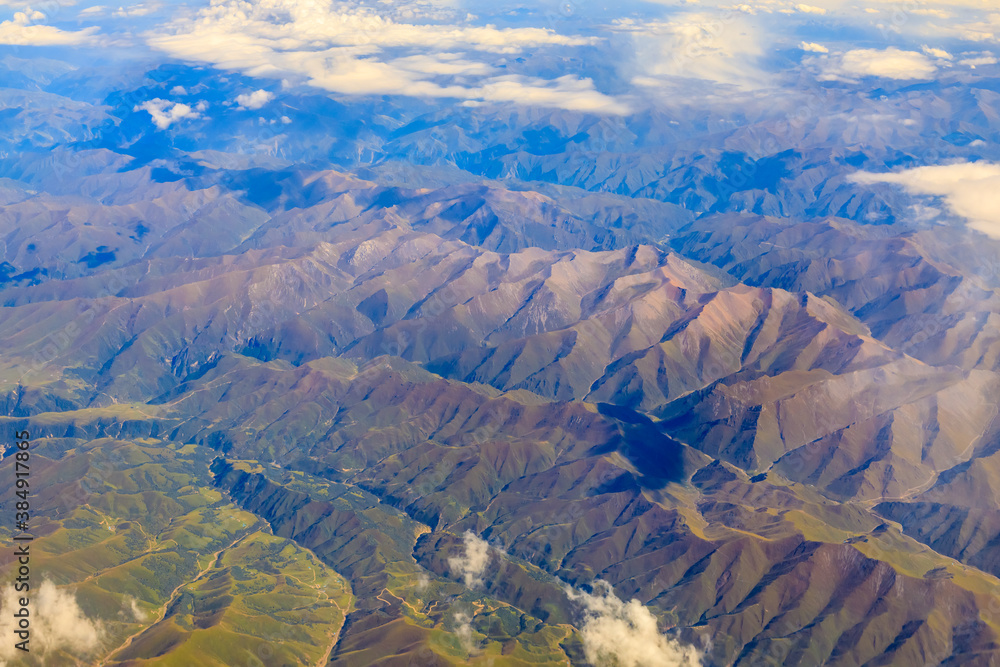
(611, 375)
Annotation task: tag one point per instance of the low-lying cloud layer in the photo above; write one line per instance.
(724, 48)
(464, 632)
(25, 29)
(625, 634)
(132, 610)
(57, 622)
(472, 564)
(970, 190)
(343, 48)
(254, 100)
(891, 63)
(165, 113)
(987, 30)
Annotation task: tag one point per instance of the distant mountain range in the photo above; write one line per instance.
(743, 421)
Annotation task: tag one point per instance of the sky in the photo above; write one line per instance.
(463, 51)
(707, 61)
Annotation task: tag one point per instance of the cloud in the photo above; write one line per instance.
(165, 113)
(343, 48)
(725, 48)
(131, 608)
(473, 563)
(626, 633)
(254, 100)
(982, 31)
(936, 13)
(978, 61)
(809, 9)
(891, 63)
(464, 632)
(450, 64)
(937, 53)
(813, 47)
(135, 11)
(566, 91)
(22, 31)
(57, 622)
(970, 190)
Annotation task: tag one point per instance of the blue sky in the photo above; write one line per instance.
(470, 52)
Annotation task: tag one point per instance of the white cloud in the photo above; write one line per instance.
(342, 48)
(134, 11)
(464, 632)
(891, 63)
(724, 48)
(982, 31)
(178, 90)
(472, 564)
(751, 9)
(970, 190)
(930, 11)
(57, 622)
(935, 8)
(566, 91)
(809, 9)
(254, 100)
(450, 64)
(625, 634)
(813, 47)
(165, 113)
(21, 31)
(92, 11)
(978, 61)
(131, 609)
(27, 16)
(937, 53)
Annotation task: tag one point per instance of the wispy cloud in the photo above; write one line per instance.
(135, 11)
(621, 633)
(890, 63)
(809, 9)
(471, 565)
(978, 61)
(987, 30)
(937, 53)
(970, 190)
(464, 632)
(24, 30)
(723, 48)
(57, 622)
(132, 610)
(813, 47)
